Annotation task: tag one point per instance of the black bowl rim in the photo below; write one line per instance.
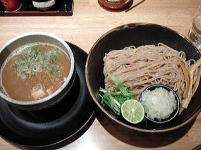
(133, 25)
(176, 111)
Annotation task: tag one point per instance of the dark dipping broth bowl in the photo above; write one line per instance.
(39, 37)
(139, 34)
(177, 99)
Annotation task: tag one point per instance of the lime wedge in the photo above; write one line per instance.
(132, 111)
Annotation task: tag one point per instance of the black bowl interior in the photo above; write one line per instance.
(137, 35)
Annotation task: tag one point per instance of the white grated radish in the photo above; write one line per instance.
(158, 103)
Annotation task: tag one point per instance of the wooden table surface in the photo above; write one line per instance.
(87, 24)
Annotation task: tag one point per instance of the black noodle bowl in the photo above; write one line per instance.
(139, 34)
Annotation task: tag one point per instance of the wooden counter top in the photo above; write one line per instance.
(87, 24)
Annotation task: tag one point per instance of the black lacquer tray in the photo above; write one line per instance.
(52, 127)
(62, 8)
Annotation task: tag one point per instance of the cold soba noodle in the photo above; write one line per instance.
(150, 64)
(34, 72)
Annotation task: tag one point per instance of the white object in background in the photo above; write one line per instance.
(43, 4)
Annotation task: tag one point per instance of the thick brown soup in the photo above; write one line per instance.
(34, 72)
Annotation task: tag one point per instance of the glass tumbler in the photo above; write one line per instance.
(195, 31)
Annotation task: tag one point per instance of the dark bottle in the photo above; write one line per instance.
(43, 4)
